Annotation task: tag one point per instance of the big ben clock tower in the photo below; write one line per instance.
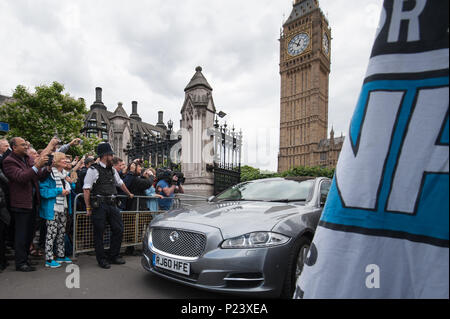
(304, 69)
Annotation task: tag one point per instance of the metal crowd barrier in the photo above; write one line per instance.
(135, 224)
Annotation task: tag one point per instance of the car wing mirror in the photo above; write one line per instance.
(323, 199)
(209, 200)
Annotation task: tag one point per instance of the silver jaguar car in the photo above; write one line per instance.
(252, 239)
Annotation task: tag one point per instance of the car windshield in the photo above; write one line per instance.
(280, 190)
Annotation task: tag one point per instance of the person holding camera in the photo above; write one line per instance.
(23, 175)
(169, 186)
(99, 191)
(65, 148)
(55, 207)
(137, 182)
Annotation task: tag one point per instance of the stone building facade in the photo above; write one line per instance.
(117, 127)
(305, 52)
(4, 99)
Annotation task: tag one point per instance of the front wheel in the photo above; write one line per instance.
(296, 260)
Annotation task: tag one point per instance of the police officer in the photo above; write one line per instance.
(99, 185)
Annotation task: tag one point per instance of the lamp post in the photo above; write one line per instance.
(234, 148)
(222, 130)
(128, 151)
(222, 114)
(157, 148)
(224, 136)
(138, 144)
(167, 143)
(151, 150)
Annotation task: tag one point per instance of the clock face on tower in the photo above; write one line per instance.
(326, 44)
(298, 44)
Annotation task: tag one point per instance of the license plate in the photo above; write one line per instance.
(172, 264)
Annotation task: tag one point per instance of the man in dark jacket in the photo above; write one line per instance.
(88, 161)
(119, 166)
(137, 185)
(23, 177)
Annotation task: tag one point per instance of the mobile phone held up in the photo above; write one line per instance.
(50, 160)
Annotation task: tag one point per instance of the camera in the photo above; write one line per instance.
(164, 174)
(167, 175)
(181, 178)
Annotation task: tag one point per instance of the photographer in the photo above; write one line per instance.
(169, 185)
(55, 208)
(137, 184)
(64, 148)
(23, 175)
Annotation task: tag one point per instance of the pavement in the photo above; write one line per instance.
(129, 281)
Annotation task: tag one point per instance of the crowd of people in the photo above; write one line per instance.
(37, 192)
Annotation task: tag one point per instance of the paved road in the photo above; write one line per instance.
(126, 281)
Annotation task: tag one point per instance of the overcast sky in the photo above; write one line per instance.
(148, 50)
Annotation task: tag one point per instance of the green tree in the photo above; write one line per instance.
(249, 173)
(39, 116)
(309, 171)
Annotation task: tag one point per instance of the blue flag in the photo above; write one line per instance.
(384, 231)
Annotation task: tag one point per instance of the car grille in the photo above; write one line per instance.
(188, 244)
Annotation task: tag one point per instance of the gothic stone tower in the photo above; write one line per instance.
(197, 116)
(304, 70)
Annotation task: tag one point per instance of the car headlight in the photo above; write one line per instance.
(255, 240)
(148, 235)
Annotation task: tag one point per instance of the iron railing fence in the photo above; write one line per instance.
(135, 222)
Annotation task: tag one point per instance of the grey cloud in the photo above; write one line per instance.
(42, 15)
(147, 51)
